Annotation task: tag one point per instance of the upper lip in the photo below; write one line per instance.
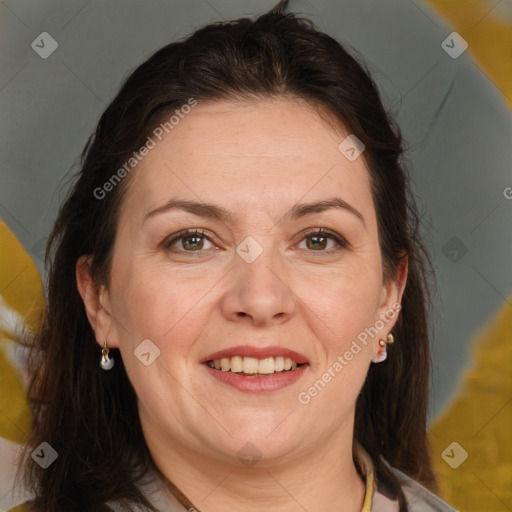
(257, 353)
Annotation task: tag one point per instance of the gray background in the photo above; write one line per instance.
(456, 125)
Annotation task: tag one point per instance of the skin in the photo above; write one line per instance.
(257, 159)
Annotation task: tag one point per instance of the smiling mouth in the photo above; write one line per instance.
(252, 367)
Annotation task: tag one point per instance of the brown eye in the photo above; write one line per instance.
(192, 242)
(318, 241)
(189, 240)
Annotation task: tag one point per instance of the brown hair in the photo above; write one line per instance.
(90, 416)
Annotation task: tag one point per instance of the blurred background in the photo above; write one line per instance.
(444, 68)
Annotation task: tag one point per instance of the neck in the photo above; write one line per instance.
(323, 479)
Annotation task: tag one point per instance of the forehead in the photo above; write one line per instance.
(248, 152)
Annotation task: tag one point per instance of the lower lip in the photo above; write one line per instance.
(249, 384)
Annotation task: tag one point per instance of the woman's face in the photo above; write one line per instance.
(256, 283)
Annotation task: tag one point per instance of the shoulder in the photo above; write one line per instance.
(419, 498)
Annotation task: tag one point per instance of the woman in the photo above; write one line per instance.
(237, 296)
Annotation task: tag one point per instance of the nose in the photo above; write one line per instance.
(260, 292)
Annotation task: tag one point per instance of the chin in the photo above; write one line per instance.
(258, 441)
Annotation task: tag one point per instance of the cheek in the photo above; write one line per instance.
(165, 307)
(146, 299)
(342, 313)
(344, 301)
(161, 307)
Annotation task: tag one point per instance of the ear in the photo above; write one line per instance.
(390, 301)
(95, 298)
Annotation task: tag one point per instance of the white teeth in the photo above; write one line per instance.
(251, 365)
(237, 364)
(266, 365)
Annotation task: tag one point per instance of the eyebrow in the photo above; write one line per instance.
(212, 211)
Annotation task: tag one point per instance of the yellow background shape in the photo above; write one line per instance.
(480, 421)
(21, 289)
(480, 417)
(483, 24)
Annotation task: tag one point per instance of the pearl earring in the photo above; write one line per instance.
(383, 354)
(106, 361)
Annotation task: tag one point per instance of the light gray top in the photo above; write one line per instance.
(419, 498)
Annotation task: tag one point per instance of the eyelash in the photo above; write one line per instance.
(320, 232)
